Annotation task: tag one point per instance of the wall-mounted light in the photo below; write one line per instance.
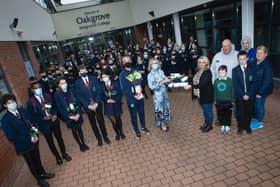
(90, 38)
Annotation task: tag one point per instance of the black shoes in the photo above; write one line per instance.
(240, 131)
(207, 129)
(202, 126)
(84, 148)
(118, 137)
(43, 183)
(107, 141)
(59, 161)
(67, 157)
(145, 130)
(47, 176)
(100, 143)
(122, 136)
(138, 135)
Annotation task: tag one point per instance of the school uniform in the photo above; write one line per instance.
(63, 100)
(136, 107)
(112, 90)
(244, 84)
(16, 127)
(87, 91)
(49, 128)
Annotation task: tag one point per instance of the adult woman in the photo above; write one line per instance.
(111, 97)
(264, 82)
(203, 90)
(156, 82)
(70, 111)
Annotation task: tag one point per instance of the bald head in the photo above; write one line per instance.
(226, 45)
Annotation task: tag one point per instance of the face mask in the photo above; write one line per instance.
(146, 56)
(105, 79)
(83, 74)
(64, 87)
(12, 106)
(38, 91)
(155, 66)
(128, 65)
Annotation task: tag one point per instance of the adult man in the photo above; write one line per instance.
(89, 94)
(130, 81)
(24, 136)
(227, 56)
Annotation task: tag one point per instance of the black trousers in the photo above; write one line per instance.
(33, 161)
(56, 131)
(224, 113)
(244, 114)
(117, 124)
(97, 115)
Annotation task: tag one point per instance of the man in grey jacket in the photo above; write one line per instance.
(227, 56)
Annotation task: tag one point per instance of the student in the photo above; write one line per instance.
(88, 93)
(223, 95)
(244, 91)
(25, 138)
(43, 112)
(157, 83)
(70, 111)
(131, 87)
(111, 96)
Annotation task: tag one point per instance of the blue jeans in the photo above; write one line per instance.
(259, 108)
(208, 113)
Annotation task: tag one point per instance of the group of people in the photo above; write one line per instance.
(234, 81)
(94, 83)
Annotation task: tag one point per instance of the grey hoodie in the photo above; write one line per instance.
(230, 60)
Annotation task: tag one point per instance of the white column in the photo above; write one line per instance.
(247, 7)
(177, 29)
(150, 31)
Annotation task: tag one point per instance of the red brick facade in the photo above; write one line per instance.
(17, 80)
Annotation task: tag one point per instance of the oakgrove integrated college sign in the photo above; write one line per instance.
(93, 19)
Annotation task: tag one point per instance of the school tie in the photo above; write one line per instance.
(17, 115)
(42, 101)
(244, 79)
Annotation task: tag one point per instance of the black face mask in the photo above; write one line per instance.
(128, 65)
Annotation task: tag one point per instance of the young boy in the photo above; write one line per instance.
(223, 97)
(244, 91)
(25, 137)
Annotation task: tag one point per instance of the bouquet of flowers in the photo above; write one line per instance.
(136, 79)
(47, 109)
(34, 132)
(72, 109)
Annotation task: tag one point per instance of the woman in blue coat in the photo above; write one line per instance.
(70, 111)
(264, 82)
(111, 97)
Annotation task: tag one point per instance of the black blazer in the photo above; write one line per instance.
(206, 88)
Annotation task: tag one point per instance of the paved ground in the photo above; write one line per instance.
(182, 157)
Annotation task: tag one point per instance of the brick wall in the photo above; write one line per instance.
(17, 80)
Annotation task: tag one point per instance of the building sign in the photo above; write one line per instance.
(93, 19)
